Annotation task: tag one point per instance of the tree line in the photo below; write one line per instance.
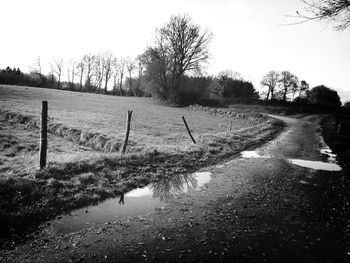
(170, 69)
(285, 86)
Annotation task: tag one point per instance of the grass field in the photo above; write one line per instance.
(152, 125)
(78, 175)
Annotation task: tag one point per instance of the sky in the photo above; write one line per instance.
(249, 36)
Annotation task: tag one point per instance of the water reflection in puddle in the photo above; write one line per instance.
(328, 155)
(136, 202)
(317, 165)
(104, 212)
(328, 162)
(253, 154)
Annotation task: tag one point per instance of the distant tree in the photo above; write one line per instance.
(36, 67)
(230, 74)
(294, 89)
(130, 67)
(193, 89)
(333, 11)
(11, 76)
(57, 67)
(80, 73)
(98, 72)
(71, 74)
(88, 61)
(324, 96)
(120, 66)
(180, 47)
(215, 87)
(140, 61)
(71, 70)
(270, 81)
(115, 74)
(238, 89)
(107, 64)
(52, 76)
(303, 88)
(68, 72)
(35, 79)
(288, 82)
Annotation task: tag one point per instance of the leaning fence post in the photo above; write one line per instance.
(188, 130)
(128, 120)
(43, 134)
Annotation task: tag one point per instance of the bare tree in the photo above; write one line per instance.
(88, 63)
(71, 70)
(141, 61)
(130, 67)
(80, 72)
(121, 64)
(270, 81)
(58, 68)
(107, 65)
(68, 73)
(334, 11)
(180, 47)
(98, 72)
(115, 73)
(288, 83)
(52, 75)
(36, 67)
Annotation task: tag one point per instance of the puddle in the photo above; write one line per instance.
(317, 165)
(328, 155)
(253, 154)
(104, 212)
(136, 202)
(328, 163)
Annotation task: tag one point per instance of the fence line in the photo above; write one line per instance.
(137, 122)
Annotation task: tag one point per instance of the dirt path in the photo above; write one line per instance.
(253, 210)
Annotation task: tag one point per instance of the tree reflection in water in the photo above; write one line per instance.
(167, 186)
(121, 199)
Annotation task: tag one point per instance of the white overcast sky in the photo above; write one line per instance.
(247, 35)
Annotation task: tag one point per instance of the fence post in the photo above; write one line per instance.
(188, 130)
(230, 129)
(128, 120)
(43, 134)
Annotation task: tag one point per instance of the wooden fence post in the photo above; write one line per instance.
(43, 135)
(188, 130)
(128, 120)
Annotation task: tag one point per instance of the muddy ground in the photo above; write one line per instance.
(253, 210)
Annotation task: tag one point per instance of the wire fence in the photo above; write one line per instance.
(171, 127)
